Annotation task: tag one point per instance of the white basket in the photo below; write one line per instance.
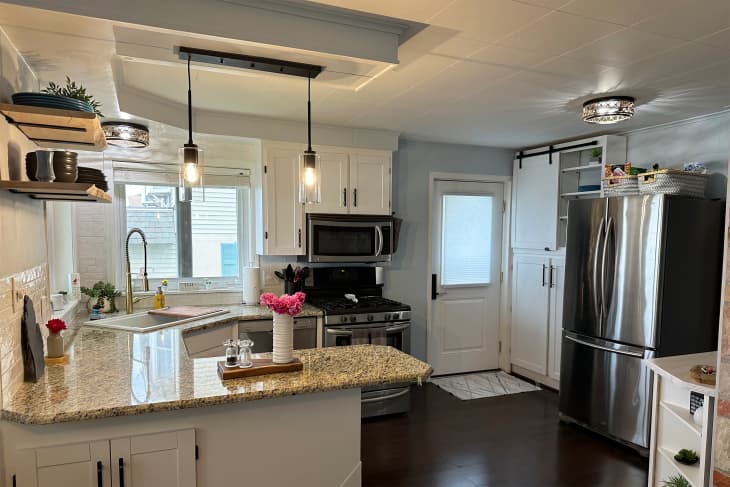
(668, 181)
(620, 185)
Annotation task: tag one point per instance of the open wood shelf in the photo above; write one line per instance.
(690, 472)
(58, 191)
(57, 129)
(682, 415)
(579, 194)
(586, 167)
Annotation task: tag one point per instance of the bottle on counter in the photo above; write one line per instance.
(159, 299)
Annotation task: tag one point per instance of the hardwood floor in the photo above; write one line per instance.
(513, 440)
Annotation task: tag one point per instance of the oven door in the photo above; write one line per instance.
(349, 241)
(396, 335)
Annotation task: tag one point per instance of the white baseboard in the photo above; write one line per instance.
(539, 378)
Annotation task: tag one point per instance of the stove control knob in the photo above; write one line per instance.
(395, 316)
(353, 319)
(370, 317)
(343, 319)
(386, 317)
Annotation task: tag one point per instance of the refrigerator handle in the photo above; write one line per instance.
(604, 255)
(606, 349)
(594, 275)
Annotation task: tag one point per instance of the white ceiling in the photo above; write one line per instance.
(502, 73)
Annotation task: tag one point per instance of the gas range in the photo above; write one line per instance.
(360, 310)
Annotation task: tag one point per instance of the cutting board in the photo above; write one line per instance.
(31, 342)
(185, 311)
(261, 366)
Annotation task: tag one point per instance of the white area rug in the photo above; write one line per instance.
(483, 384)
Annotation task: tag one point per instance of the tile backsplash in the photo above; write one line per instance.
(34, 283)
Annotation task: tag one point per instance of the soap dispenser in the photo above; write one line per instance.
(159, 300)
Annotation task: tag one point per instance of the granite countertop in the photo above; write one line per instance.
(118, 373)
(676, 370)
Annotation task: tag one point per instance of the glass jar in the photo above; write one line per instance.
(231, 353)
(244, 353)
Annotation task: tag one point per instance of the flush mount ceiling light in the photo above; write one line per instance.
(191, 157)
(126, 134)
(610, 109)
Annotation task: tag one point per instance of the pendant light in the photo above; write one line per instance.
(309, 170)
(191, 157)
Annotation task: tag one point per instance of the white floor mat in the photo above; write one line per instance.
(483, 384)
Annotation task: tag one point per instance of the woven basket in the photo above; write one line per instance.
(620, 185)
(669, 181)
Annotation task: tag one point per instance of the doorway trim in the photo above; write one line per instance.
(505, 297)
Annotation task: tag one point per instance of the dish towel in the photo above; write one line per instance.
(361, 336)
(378, 336)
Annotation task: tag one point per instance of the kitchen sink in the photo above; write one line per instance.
(145, 322)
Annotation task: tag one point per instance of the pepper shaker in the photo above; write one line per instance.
(231, 353)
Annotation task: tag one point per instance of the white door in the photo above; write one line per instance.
(156, 460)
(466, 248)
(535, 203)
(369, 183)
(556, 281)
(333, 184)
(79, 465)
(530, 305)
(284, 215)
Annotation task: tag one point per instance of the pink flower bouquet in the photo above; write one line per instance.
(284, 304)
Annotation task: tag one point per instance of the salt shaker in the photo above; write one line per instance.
(244, 353)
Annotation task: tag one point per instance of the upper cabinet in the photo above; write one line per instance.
(281, 215)
(357, 182)
(546, 179)
(353, 181)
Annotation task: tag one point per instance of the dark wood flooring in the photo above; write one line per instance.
(513, 440)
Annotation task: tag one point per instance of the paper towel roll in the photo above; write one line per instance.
(251, 285)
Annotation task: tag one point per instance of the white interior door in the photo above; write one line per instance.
(466, 254)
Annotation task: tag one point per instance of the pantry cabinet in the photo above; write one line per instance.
(281, 216)
(535, 203)
(152, 460)
(537, 297)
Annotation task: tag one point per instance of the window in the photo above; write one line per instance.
(466, 240)
(201, 240)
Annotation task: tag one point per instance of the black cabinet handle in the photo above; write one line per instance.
(99, 481)
(543, 274)
(121, 472)
(300, 238)
(552, 279)
(344, 197)
(434, 293)
(354, 195)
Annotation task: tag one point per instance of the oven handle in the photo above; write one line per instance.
(378, 240)
(393, 329)
(342, 333)
(389, 396)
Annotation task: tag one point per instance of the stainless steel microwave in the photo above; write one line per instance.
(349, 238)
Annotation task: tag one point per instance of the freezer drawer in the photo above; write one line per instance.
(605, 386)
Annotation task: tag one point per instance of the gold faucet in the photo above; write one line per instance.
(146, 283)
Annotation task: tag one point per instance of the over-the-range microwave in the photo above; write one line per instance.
(349, 238)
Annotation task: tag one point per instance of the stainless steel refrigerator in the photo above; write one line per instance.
(642, 279)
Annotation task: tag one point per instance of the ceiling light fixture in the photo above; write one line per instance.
(610, 109)
(309, 170)
(126, 134)
(191, 157)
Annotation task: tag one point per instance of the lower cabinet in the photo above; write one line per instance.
(537, 314)
(153, 460)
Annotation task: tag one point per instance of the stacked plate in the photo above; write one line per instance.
(92, 176)
(46, 100)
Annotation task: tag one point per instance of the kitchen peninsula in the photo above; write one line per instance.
(134, 409)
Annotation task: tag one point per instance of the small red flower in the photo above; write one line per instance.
(56, 326)
(284, 304)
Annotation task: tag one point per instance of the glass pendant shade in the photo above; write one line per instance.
(191, 171)
(608, 110)
(309, 177)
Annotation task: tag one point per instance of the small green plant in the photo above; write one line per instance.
(75, 91)
(103, 291)
(688, 457)
(676, 481)
(597, 152)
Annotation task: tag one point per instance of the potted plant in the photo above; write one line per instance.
(596, 155)
(104, 294)
(676, 481)
(74, 90)
(54, 341)
(687, 457)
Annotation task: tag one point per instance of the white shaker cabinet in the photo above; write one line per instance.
(334, 184)
(282, 216)
(370, 175)
(535, 203)
(537, 302)
(153, 460)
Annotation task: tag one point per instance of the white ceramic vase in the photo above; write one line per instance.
(283, 338)
(54, 345)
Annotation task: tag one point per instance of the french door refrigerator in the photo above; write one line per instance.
(642, 279)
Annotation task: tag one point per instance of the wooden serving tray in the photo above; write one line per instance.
(261, 366)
